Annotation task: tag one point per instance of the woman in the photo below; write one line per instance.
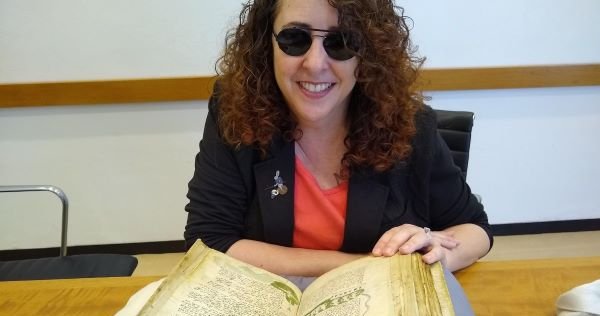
(318, 149)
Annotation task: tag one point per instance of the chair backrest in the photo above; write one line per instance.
(63, 266)
(455, 128)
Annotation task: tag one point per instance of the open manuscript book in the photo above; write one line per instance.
(208, 282)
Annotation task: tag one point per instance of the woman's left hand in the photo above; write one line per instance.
(408, 238)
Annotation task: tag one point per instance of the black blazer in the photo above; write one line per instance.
(230, 192)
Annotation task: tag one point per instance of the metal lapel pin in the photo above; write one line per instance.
(278, 188)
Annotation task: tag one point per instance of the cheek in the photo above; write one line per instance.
(348, 73)
(346, 70)
(278, 67)
(283, 66)
(283, 74)
(353, 68)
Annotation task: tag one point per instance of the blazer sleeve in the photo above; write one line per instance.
(217, 195)
(450, 199)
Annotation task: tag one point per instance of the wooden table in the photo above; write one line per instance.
(524, 287)
(93, 296)
(527, 287)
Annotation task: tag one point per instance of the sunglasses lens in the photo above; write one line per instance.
(336, 47)
(297, 41)
(294, 41)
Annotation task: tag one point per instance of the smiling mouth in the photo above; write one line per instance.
(316, 87)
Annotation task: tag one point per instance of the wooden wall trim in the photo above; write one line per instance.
(105, 92)
(511, 77)
(199, 88)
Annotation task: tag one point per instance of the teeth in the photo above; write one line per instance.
(319, 87)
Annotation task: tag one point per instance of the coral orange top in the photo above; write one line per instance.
(319, 215)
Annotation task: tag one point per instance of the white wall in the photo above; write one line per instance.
(125, 167)
(470, 33)
(535, 152)
(77, 40)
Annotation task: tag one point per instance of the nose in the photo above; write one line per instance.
(316, 58)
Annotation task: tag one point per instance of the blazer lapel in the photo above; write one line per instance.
(366, 202)
(277, 211)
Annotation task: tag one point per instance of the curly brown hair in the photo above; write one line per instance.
(383, 104)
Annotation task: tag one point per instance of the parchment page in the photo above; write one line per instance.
(215, 284)
(361, 288)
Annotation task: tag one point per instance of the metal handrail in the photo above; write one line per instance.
(61, 195)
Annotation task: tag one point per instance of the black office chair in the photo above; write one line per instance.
(455, 128)
(63, 266)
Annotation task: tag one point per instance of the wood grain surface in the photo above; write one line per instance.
(524, 287)
(93, 296)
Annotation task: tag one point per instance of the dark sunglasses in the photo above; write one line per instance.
(296, 41)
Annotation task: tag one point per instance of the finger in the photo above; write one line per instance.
(399, 240)
(444, 235)
(392, 239)
(417, 241)
(434, 255)
(445, 240)
(447, 233)
(450, 244)
(383, 240)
